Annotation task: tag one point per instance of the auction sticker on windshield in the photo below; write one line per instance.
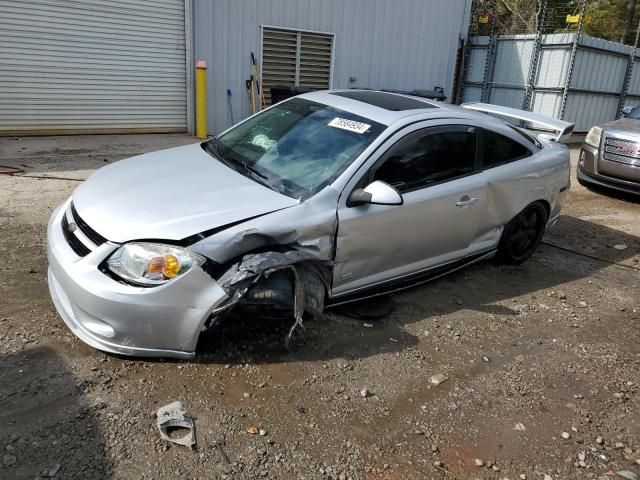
(350, 125)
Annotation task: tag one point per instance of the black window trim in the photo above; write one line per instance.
(480, 150)
(368, 176)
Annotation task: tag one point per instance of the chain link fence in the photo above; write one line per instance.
(563, 58)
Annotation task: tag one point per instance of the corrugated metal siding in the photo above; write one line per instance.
(587, 110)
(404, 44)
(632, 102)
(473, 94)
(634, 83)
(94, 65)
(547, 103)
(598, 71)
(554, 64)
(477, 61)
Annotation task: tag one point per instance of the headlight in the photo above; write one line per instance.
(152, 263)
(593, 137)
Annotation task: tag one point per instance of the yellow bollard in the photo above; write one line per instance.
(201, 99)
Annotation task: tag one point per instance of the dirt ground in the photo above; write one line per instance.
(542, 360)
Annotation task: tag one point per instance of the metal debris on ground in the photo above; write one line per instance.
(173, 418)
(223, 454)
(252, 430)
(628, 474)
(438, 379)
(53, 470)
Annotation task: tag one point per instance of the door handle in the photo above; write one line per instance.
(466, 201)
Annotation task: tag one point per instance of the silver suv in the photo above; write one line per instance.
(610, 155)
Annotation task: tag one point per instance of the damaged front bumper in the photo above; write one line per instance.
(163, 321)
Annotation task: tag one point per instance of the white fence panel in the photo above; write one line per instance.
(554, 64)
(587, 109)
(598, 71)
(593, 95)
(477, 61)
(547, 103)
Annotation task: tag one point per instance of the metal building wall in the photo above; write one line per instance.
(404, 44)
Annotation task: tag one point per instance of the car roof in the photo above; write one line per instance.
(388, 108)
(385, 100)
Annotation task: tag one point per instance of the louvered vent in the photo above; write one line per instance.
(295, 58)
(315, 60)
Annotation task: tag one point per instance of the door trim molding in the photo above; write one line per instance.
(408, 280)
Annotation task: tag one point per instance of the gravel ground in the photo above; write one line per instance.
(541, 361)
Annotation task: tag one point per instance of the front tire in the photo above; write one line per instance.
(522, 235)
(270, 297)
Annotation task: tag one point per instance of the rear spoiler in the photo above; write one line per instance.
(559, 127)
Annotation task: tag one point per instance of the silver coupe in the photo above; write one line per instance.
(319, 200)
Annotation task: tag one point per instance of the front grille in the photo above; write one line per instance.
(622, 151)
(90, 233)
(73, 241)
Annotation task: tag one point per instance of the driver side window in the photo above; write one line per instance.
(427, 157)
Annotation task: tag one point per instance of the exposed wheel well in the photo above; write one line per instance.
(545, 204)
(277, 289)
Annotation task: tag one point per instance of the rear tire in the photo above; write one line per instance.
(522, 235)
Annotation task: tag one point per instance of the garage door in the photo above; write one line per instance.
(92, 66)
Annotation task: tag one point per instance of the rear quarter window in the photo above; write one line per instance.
(498, 149)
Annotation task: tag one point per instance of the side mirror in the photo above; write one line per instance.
(376, 193)
(626, 111)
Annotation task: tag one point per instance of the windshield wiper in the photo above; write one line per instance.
(216, 145)
(213, 146)
(246, 166)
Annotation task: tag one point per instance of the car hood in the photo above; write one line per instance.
(623, 124)
(171, 194)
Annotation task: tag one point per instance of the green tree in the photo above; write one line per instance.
(614, 20)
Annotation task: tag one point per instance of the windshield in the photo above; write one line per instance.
(296, 147)
(634, 113)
